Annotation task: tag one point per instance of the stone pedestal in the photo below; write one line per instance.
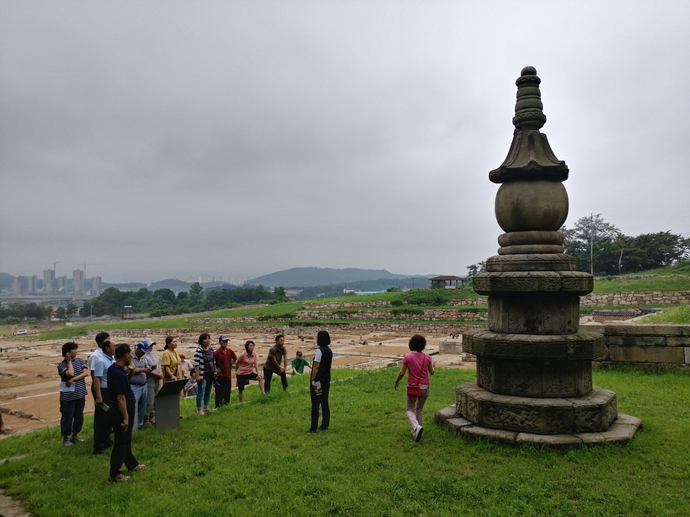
(534, 366)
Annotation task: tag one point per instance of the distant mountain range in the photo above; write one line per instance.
(295, 277)
(318, 276)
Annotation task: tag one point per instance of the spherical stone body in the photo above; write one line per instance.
(531, 205)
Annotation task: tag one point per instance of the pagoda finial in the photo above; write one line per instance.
(528, 107)
(530, 156)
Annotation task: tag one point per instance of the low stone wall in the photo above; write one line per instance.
(424, 314)
(468, 302)
(463, 302)
(636, 298)
(653, 345)
(404, 327)
(345, 305)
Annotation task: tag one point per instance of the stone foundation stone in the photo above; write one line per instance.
(594, 412)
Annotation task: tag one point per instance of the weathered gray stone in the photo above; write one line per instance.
(530, 237)
(532, 262)
(555, 441)
(678, 341)
(534, 366)
(521, 282)
(443, 414)
(624, 419)
(687, 354)
(498, 435)
(591, 413)
(455, 424)
(595, 411)
(636, 340)
(577, 346)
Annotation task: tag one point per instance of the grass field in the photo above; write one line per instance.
(257, 458)
(643, 284)
(678, 315)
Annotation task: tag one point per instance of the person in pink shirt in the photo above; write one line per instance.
(247, 370)
(419, 366)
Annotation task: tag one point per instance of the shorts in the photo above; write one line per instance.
(243, 380)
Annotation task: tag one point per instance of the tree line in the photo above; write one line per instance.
(602, 249)
(164, 302)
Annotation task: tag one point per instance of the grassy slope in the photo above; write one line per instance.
(288, 309)
(256, 458)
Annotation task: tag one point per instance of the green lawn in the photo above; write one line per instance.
(643, 284)
(678, 315)
(257, 458)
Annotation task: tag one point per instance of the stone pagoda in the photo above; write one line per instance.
(534, 366)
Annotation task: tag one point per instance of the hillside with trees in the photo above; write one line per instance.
(602, 249)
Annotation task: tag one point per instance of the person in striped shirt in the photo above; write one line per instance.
(72, 372)
(204, 372)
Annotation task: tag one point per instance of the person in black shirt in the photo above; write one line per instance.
(321, 382)
(121, 415)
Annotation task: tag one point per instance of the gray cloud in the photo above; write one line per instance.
(238, 138)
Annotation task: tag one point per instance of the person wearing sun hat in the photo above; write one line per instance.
(153, 378)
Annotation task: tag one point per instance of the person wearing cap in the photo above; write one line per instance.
(224, 357)
(276, 354)
(321, 382)
(153, 379)
(299, 363)
(138, 381)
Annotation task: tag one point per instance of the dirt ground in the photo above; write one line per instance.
(29, 397)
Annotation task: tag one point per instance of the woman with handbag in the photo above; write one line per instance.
(420, 366)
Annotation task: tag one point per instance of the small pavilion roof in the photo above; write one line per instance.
(448, 277)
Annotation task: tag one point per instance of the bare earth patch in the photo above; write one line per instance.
(29, 395)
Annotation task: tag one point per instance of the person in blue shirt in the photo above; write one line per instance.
(101, 426)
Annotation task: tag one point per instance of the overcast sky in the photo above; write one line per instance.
(234, 139)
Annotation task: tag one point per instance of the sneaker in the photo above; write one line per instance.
(311, 431)
(322, 428)
(206, 409)
(139, 467)
(76, 439)
(66, 442)
(119, 478)
(418, 433)
(200, 412)
(99, 451)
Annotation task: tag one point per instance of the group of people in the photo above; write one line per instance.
(125, 383)
(111, 370)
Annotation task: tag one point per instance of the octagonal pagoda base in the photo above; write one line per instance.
(621, 431)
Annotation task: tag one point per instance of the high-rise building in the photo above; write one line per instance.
(96, 286)
(49, 281)
(33, 282)
(61, 284)
(78, 281)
